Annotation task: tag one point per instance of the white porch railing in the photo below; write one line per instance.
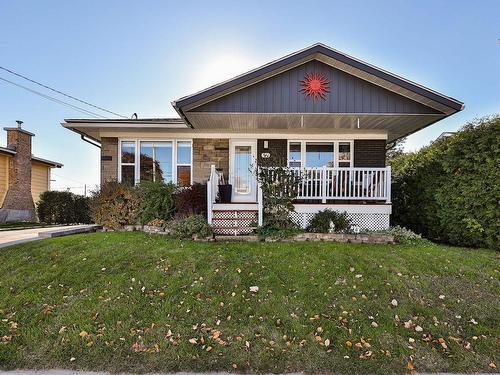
(344, 184)
(212, 190)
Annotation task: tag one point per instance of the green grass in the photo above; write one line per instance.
(131, 302)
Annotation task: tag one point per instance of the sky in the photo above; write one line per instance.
(138, 56)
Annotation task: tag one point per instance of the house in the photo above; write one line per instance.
(326, 114)
(23, 176)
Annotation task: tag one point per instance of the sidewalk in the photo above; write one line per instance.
(71, 372)
(16, 236)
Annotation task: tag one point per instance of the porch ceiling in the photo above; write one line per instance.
(396, 125)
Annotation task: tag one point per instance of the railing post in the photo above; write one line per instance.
(209, 201)
(260, 206)
(323, 184)
(388, 184)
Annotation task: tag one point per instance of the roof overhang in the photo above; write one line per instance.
(394, 125)
(50, 163)
(9, 152)
(92, 128)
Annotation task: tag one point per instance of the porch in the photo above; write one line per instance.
(363, 193)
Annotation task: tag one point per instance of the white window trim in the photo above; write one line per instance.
(335, 150)
(136, 163)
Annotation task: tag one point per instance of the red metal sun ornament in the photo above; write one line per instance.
(315, 85)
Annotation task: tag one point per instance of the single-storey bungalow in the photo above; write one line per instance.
(325, 114)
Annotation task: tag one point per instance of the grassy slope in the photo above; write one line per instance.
(55, 289)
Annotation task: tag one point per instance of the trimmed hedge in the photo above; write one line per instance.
(63, 207)
(450, 191)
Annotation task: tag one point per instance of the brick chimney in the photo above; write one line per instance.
(18, 198)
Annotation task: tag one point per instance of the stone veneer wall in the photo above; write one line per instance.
(109, 159)
(207, 152)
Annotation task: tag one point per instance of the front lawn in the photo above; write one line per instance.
(136, 302)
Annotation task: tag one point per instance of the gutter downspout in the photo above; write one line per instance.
(89, 141)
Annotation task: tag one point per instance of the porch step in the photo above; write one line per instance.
(233, 231)
(234, 222)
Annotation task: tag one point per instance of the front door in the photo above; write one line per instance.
(242, 162)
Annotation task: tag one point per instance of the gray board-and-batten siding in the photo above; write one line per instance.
(281, 94)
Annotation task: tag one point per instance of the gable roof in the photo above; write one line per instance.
(335, 58)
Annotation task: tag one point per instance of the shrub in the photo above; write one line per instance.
(82, 209)
(191, 200)
(114, 205)
(267, 231)
(63, 207)
(155, 201)
(187, 227)
(280, 186)
(402, 235)
(449, 191)
(157, 223)
(321, 222)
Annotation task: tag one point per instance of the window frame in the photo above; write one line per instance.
(137, 142)
(336, 143)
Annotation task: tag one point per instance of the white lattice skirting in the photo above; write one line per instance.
(368, 217)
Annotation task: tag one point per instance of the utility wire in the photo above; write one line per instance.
(61, 93)
(76, 108)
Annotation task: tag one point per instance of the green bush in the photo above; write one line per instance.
(320, 223)
(114, 205)
(63, 207)
(190, 226)
(191, 200)
(155, 201)
(402, 235)
(449, 191)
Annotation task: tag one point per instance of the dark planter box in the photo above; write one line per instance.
(225, 193)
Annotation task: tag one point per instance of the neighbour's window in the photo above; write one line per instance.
(345, 155)
(295, 154)
(128, 162)
(319, 154)
(183, 163)
(155, 163)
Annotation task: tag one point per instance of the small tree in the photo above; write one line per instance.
(280, 186)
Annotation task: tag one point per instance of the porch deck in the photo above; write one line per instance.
(364, 193)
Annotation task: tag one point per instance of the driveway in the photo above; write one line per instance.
(12, 237)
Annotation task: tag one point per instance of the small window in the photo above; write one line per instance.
(319, 154)
(345, 157)
(295, 154)
(184, 163)
(128, 162)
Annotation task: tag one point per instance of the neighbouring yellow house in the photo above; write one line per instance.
(23, 176)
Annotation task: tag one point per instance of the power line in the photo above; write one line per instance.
(48, 97)
(60, 92)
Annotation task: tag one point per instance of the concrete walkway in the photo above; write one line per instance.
(13, 237)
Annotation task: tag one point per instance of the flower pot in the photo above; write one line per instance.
(225, 193)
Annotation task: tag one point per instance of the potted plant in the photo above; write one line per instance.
(225, 190)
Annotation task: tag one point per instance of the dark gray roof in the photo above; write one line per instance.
(318, 48)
